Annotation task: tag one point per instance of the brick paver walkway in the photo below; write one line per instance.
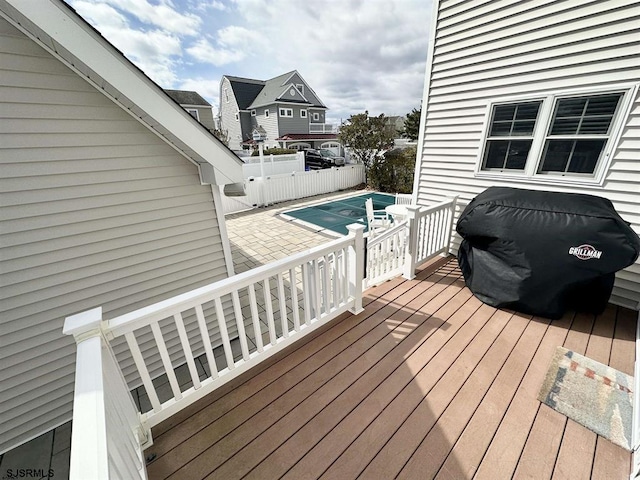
(261, 235)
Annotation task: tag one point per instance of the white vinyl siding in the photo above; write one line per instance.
(96, 211)
(485, 52)
(228, 111)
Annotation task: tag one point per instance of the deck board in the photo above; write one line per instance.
(427, 382)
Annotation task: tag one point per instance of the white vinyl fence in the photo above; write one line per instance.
(273, 165)
(262, 191)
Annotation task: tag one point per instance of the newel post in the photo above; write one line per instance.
(409, 267)
(452, 214)
(89, 457)
(356, 265)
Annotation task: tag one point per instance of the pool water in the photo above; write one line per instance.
(337, 214)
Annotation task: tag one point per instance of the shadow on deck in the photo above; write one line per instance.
(427, 382)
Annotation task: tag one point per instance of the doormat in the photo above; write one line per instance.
(590, 393)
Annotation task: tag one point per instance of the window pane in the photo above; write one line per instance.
(505, 154)
(595, 125)
(565, 126)
(556, 155)
(500, 129)
(585, 156)
(515, 120)
(503, 112)
(523, 128)
(517, 156)
(570, 107)
(527, 111)
(496, 153)
(603, 104)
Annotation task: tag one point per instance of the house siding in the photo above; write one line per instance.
(484, 51)
(309, 94)
(96, 211)
(294, 124)
(228, 110)
(205, 115)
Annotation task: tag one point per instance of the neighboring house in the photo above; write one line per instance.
(537, 95)
(286, 107)
(197, 106)
(109, 199)
(395, 123)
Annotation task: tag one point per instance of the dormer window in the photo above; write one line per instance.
(193, 112)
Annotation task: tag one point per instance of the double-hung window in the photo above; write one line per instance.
(286, 112)
(579, 131)
(562, 137)
(510, 136)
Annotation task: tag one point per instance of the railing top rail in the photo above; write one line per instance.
(438, 206)
(389, 232)
(138, 318)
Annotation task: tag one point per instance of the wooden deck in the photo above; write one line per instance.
(427, 382)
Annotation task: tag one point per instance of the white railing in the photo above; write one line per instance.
(430, 232)
(386, 254)
(404, 247)
(107, 435)
(321, 128)
(262, 191)
(309, 288)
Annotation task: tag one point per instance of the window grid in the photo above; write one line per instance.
(286, 112)
(570, 140)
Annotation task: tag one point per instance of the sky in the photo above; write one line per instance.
(356, 55)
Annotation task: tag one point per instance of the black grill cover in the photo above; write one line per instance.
(543, 253)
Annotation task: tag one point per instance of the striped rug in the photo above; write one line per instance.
(590, 393)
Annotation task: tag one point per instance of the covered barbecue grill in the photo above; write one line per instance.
(543, 252)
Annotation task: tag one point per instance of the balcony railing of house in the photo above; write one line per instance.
(321, 128)
(307, 290)
(404, 247)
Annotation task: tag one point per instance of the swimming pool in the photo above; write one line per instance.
(337, 214)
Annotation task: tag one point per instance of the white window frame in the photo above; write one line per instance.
(316, 116)
(285, 112)
(266, 113)
(543, 123)
(191, 112)
(303, 113)
(253, 113)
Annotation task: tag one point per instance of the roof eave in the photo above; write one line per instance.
(62, 32)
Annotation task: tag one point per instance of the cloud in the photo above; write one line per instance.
(155, 51)
(162, 15)
(232, 44)
(356, 55)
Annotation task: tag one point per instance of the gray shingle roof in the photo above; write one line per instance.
(245, 90)
(251, 93)
(186, 97)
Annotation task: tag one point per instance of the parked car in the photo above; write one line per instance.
(314, 160)
(337, 160)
